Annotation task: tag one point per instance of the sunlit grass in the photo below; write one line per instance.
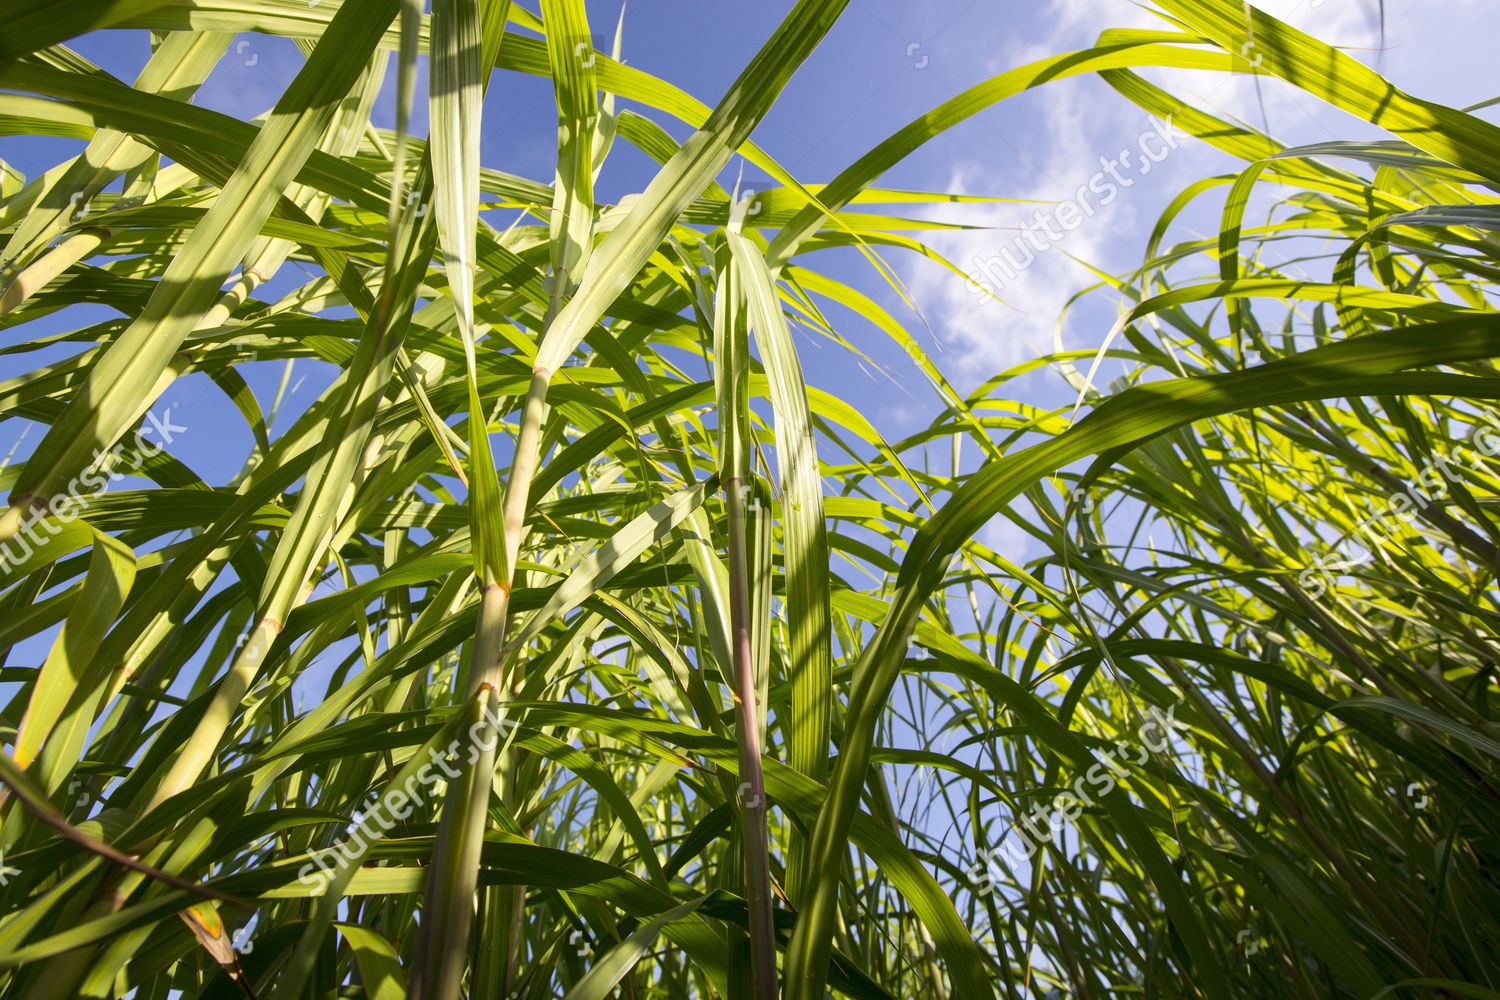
(526, 660)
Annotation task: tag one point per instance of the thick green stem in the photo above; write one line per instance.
(752, 788)
(62, 257)
(448, 900)
(448, 907)
(523, 468)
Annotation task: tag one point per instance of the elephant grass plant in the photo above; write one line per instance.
(641, 665)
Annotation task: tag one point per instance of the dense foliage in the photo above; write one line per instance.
(575, 641)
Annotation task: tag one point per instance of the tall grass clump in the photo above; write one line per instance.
(573, 641)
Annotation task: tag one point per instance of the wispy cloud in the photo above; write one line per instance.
(1068, 127)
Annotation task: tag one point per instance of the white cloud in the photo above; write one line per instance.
(1081, 142)
(1076, 122)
